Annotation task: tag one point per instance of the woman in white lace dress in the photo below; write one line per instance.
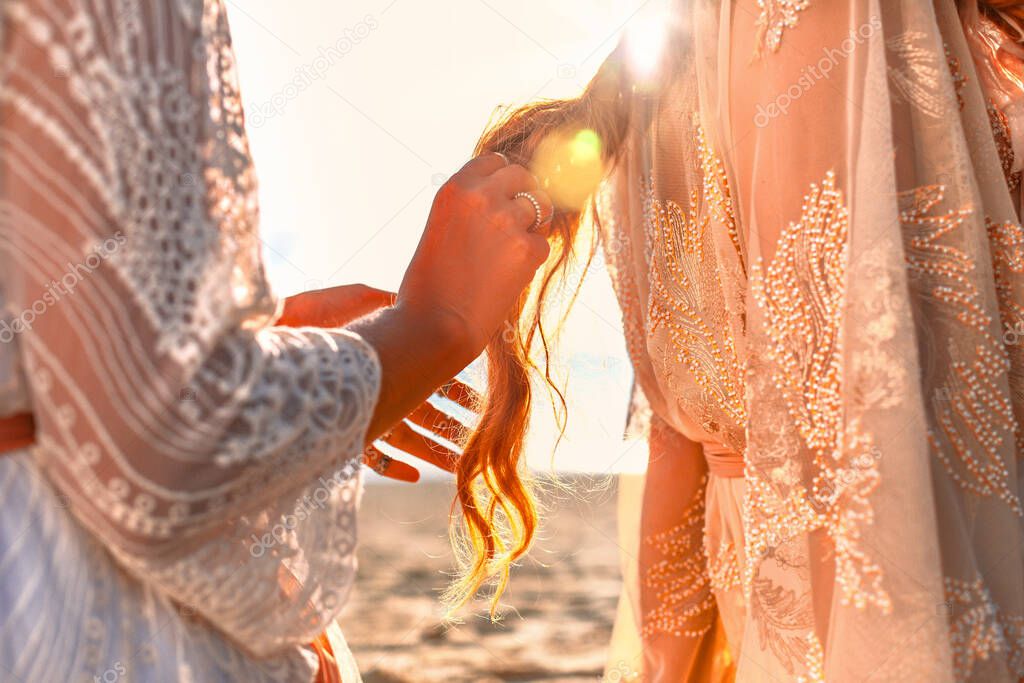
(188, 511)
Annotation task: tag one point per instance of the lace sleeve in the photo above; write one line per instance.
(213, 454)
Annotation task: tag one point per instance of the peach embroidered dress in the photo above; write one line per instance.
(815, 241)
(189, 511)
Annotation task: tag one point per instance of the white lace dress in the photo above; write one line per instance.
(189, 511)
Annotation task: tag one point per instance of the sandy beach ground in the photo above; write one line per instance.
(564, 594)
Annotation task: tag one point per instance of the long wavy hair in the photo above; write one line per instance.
(495, 505)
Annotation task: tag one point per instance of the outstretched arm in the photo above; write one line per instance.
(345, 305)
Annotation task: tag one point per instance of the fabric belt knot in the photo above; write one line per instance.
(723, 461)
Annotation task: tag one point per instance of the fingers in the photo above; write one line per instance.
(538, 214)
(485, 164)
(461, 393)
(489, 180)
(339, 307)
(537, 245)
(516, 180)
(407, 440)
(386, 466)
(333, 307)
(437, 422)
(374, 298)
(513, 179)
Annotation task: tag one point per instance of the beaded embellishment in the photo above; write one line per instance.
(723, 567)
(1004, 145)
(973, 420)
(776, 17)
(688, 299)
(803, 291)
(802, 294)
(680, 580)
(916, 74)
(975, 632)
(1006, 243)
(959, 77)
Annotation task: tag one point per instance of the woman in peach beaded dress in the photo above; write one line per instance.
(810, 213)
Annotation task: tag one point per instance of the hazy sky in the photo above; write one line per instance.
(357, 111)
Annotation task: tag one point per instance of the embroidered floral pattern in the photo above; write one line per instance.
(975, 633)
(916, 74)
(685, 603)
(1004, 145)
(970, 377)
(723, 567)
(777, 16)
(802, 293)
(863, 338)
(785, 623)
(688, 299)
(1006, 242)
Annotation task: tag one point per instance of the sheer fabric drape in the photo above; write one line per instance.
(815, 243)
